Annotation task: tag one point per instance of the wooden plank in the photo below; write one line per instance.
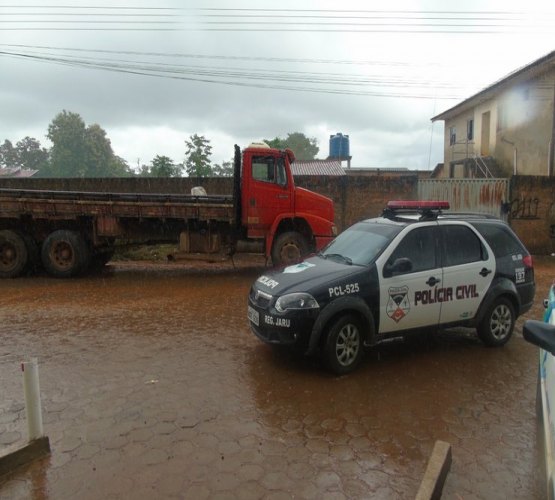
(15, 457)
(439, 465)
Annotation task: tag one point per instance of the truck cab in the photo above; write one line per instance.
(289, 221)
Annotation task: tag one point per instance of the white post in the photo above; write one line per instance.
(32, 398)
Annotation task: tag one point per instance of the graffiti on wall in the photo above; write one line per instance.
(524, 208)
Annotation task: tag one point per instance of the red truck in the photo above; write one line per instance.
(69, 232)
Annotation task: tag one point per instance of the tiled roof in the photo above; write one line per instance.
(317, 167)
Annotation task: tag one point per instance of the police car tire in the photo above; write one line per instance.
(343, 347)
(497, 326)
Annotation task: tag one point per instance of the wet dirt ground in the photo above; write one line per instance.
(153, 386)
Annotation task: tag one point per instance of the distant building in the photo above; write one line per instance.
(330, 168)
(17, 172)
(508, 128)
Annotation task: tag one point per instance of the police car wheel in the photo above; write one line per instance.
(343, 347)
(497, 326)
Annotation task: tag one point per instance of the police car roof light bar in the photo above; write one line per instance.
(417, 205)
(428, 210)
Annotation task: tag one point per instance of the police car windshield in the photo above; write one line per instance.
(361, 243)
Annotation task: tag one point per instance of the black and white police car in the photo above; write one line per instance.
(414, 267)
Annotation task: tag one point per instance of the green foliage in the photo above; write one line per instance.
(27, 154)
(223, 170)
(68, 152)
(8, 155)
(163, 166)
(81, 151)
(197, 156)
(305, 148)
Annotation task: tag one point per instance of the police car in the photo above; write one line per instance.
(542, 334)
(414, 267)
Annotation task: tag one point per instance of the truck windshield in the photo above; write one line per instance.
(361, 243)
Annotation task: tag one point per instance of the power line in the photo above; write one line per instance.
(243, 78)
(290, 20)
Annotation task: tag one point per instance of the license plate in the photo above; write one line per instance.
(253, 315)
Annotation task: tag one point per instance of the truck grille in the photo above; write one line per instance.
(260, 298)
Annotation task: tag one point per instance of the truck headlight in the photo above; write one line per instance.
(296, 301)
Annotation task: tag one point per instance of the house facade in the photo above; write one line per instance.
(506, 129)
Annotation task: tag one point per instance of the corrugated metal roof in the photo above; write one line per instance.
(317, 167)
(17, 172)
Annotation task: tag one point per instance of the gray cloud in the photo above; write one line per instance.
(146, 115)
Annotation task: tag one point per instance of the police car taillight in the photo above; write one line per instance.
(417, 205)
(527, 261)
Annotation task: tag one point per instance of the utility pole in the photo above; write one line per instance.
(550, 165)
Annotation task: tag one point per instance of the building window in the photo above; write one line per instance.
(470, 129)
(452, 135)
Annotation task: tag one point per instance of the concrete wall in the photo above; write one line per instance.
(356, 197)
(520, 117)
(532, 212)
(528, 122)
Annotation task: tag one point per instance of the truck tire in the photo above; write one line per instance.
(289, 248)
(65, 254)
(499, 321)
(14, 256)
(343, 348)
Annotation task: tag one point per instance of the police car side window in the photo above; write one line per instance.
(461, 246)
(419, 247)
(499, 238)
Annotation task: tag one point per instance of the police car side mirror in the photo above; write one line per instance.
(401, 265)
(540, 334)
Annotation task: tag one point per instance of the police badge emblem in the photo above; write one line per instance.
(398, 305)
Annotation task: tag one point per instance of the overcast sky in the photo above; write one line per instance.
(154, 73)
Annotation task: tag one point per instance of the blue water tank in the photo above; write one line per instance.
(339, 146)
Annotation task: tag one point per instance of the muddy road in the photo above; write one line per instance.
(153, 386)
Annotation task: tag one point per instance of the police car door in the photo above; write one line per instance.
(468, 270)
(409, 273)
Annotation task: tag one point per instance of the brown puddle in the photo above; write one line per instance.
(153, 386)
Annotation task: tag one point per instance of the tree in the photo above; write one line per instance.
(98, 152)
(27, 154)
(223, 170)
(8, 155)
(81, 151)
(30, 154)
(197, 156)
(67, 155)
(305, 148)
(163, 166)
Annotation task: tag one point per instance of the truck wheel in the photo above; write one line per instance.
(497, 326)
(343, 348)
(289, 248)
(14, 256)
(65, 254)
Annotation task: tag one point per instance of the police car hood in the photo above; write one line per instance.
(309, 274)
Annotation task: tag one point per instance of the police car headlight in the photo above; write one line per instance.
(296, 301)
